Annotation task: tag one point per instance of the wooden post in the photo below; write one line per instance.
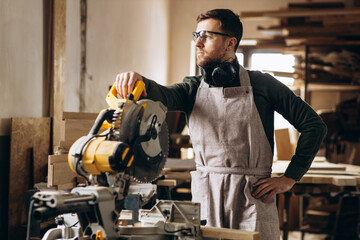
(58, 67)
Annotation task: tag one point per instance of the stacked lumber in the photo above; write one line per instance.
(306, 21)
(73, 126)
(324, 37)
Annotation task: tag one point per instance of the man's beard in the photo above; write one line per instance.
(211, 62)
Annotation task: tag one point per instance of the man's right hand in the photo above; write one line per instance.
(125, 83)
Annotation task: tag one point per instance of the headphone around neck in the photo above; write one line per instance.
(223, 75)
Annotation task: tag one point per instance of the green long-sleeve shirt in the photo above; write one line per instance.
(269, 95)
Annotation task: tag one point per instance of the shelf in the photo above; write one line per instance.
(332, 87)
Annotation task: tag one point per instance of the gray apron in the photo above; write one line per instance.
(231, 153)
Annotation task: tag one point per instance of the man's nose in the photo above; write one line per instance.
(199, 43)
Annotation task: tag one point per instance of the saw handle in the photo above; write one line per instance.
(113, 101)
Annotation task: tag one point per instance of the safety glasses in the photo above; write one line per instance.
(204, 34)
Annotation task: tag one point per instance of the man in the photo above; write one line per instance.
(230, 114)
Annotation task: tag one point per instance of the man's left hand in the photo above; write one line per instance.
(272, 186)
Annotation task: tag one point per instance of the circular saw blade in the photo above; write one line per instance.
(146, 169)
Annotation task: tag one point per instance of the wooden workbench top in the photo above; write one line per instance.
(323, 172)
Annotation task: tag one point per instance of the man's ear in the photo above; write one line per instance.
(231, 43)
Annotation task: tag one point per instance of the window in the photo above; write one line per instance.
(275, 62)
(240, 57)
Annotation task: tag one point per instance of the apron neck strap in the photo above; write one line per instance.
(244, 77)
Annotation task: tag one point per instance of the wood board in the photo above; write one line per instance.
(325, 173)
(59, 173)
(73, 126)
(285, 149)
(29, 150)
(58, 56)
(226, 233)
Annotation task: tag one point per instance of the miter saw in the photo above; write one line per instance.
(133, 145)
(135, 130)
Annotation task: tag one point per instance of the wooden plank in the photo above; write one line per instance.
(50, 177)
(332, 87)
(226, 233)
(79, 115)
(167, 182)
(317, 5)
(66, 186)
(59, 172)
(73, 126)
(177, 164)
(58, 67)
(61, 158)
(283, 144)
(298, 13)
(29, 150)
(178, 175)
(344, 181)
(76, 128)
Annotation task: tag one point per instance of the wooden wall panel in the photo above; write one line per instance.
(29, 150)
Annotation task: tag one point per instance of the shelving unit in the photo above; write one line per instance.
(324, 37)
(332, 69)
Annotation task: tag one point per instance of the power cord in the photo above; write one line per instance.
(176, 231)
(29, 219)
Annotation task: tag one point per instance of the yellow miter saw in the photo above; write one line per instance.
(135, 142)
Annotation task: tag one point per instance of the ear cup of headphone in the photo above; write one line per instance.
(224, 74)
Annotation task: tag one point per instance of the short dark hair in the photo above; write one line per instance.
(230, 22)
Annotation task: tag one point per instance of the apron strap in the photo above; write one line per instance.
(244, 77)
(235, 170)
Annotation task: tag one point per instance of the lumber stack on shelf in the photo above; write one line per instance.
(305, 21)
(323, 36)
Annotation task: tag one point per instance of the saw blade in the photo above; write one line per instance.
(134, 120)
(146, 169)
(129, 122)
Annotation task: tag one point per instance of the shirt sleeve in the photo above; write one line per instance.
(176, 97)
(303, 118)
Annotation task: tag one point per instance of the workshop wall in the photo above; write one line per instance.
(72, 67)
(21, 62)
(124, 36)
(21, 77)
(150, 37)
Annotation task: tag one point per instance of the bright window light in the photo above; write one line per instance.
(240, 57)
(275, 62)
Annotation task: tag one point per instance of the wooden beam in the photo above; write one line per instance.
(298, 13)
(58, 67)
(226, 233)
(83, 20)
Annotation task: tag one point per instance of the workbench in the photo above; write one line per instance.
(322, 177)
